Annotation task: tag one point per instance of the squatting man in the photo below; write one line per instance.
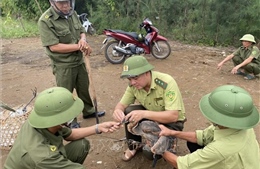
(230, 143)
(39, 143)
(151, 98)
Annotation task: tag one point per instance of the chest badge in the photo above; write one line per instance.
(53, 148)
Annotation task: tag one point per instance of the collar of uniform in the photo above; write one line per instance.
(50, 137)
(249, 48)
(221, 133)
(55, 14)
(153, 85)
(53, 140)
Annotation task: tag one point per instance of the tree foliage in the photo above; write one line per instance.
(212, 22)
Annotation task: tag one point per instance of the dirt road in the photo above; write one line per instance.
(25, 66)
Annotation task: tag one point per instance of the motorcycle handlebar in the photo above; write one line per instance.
(83, 16)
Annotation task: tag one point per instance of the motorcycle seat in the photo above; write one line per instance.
(132, 34)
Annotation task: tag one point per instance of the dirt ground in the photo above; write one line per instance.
(25, 66)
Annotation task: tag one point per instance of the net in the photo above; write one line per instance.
(10, 124)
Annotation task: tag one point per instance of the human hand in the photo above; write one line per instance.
(234, 70)
(219, 66)
(84, 47)
(163, 144)
(165, 131)
(118, 115)
(135, 116)
(87, 50)
(82, 43)
(108, 127)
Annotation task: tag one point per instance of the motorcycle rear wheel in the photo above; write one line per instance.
(112, 55)
(164, 49)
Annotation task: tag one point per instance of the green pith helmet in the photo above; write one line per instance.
(54, 106)
(135, 66)
(248, 37)
(230, 106)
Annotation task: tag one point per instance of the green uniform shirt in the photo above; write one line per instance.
(55, 29)
(39, 149)
(244, 53)
(225, 149)
(164, 94)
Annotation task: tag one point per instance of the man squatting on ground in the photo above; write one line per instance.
(64, 39)
(246, 59)
(230, 143)
(39, 143)
(158, 96)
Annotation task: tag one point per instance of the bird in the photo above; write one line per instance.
(150, 130)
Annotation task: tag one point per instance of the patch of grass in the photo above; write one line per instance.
(17, 28)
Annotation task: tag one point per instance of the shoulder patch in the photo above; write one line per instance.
(46, 16)
(53, 148)
(171, 95)
(160, 83)
(254, 52)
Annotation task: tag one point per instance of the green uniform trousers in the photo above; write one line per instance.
(78, 150)
(249, 68)
(75, 78)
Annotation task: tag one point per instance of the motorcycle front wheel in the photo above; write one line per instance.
(112, 55)
(160, 49)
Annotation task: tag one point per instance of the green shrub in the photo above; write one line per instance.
(17, 28)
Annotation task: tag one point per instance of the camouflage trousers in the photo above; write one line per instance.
(250, 68)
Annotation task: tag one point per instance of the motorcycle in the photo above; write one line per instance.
(120, 44)
(86, 23)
